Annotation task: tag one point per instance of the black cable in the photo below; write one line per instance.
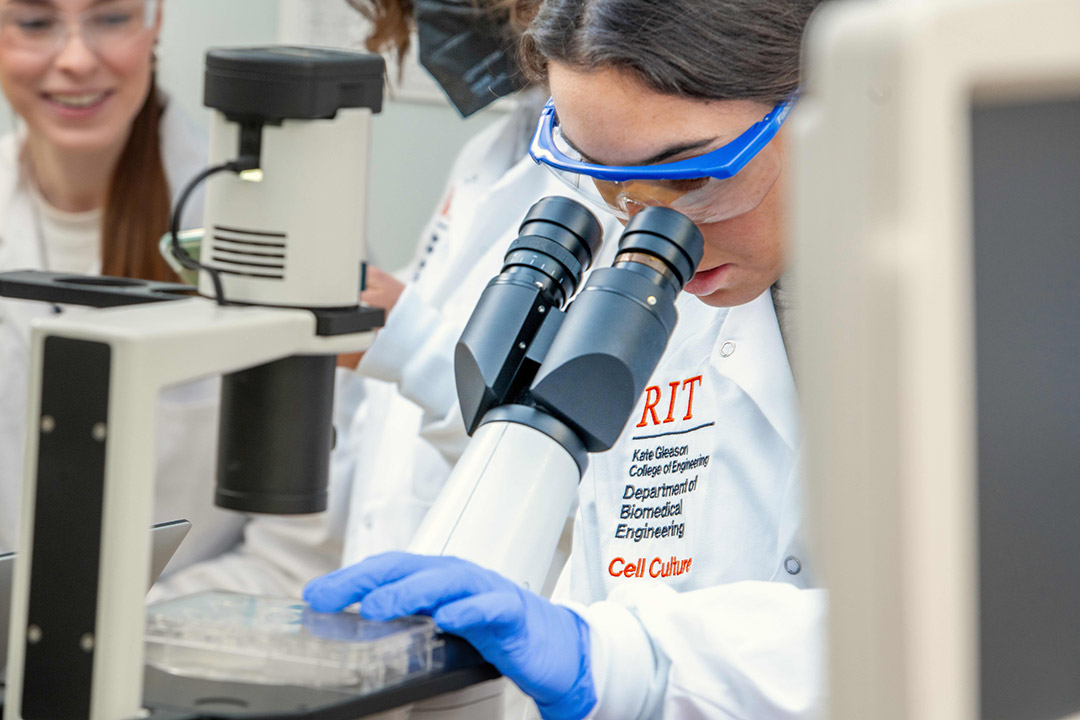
(181, 255)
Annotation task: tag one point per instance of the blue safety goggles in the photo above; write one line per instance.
(717, 185)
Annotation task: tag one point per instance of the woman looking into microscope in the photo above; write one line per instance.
(86, 185)
(710, 616)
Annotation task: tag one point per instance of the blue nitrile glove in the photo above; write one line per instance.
(542, 647)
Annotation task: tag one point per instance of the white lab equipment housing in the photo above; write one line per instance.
(890, 264)
(260, 235)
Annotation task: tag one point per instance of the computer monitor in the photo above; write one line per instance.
(937, 223)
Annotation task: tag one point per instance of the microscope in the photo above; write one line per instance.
(552, 384)
(540, 388)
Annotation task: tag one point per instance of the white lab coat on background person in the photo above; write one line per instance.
(187, 416)
(688, 561)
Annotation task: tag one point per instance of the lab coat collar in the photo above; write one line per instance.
(758, 363)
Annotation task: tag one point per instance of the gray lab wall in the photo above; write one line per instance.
(413, 143)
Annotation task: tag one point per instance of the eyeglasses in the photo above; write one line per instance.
(105, 27)
(718, 185)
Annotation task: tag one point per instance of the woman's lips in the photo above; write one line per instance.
(76, 105)
(706, 282)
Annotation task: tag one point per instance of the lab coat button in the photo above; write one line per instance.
(792, 565)
(727, 349)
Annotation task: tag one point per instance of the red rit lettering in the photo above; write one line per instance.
(653, 396)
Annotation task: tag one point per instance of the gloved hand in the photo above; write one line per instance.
(542, 647)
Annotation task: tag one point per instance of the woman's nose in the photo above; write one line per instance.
(75, 55)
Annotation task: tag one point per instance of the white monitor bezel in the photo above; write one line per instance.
(883, 238)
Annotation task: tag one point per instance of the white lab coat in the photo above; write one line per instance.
(688, 561)
(187, 419)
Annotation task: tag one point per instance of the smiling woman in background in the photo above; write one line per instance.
(86, 186)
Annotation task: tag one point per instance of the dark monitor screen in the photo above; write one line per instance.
(1026, 204)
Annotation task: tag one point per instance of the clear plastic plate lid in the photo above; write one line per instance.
(229, 636)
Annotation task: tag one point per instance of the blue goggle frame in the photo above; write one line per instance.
(722, 163)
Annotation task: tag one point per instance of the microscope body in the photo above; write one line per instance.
(563, 388)
(287, 233)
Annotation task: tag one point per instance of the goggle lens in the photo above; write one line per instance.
(717, 185)
(703, 200)
(104, 28)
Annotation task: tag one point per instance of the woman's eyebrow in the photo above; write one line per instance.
(576, 149)
(658, 157)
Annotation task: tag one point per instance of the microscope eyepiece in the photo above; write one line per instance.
(617, 328)
(665, 240)
(496, 357)
(572, 217)
(556, 242)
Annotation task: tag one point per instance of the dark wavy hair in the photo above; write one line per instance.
(393, 21)
(705, 49)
